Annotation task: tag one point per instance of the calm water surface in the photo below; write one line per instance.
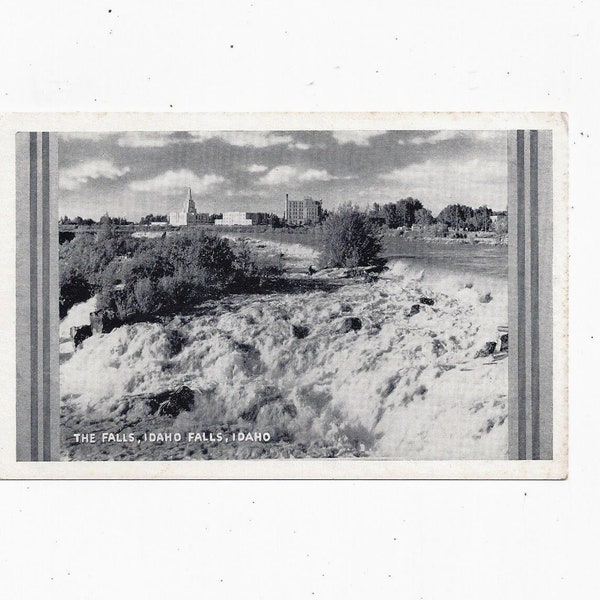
(473, 258)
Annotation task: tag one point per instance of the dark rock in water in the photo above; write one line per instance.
(78, 334)
(268, 396)
(350, 324)
(171, 403)
(103, 321)
(176, 341)
(487, 350)
(504, 343)
(487, 297)
(426, 300)
(300, 331)
(414, 309)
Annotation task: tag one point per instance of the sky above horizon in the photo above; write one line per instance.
(132, 174)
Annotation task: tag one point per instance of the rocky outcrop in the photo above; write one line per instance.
(172, 402)
(414, 309)
(426, 300)
(488, 349)
(78, 334)
(504, 343)
(103, 321)
(300, 331)
(350, 324)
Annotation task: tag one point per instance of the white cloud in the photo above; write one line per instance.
(146, 139)
(440, 136)
(484, 136)
(279, 175)
(360, 138)
(316, 175)
(287, 174)
(440, 182)
(300, 146)
(177, 181)
(256, 168)
(254, 139)
(451, 134)
(78, 175)
(91, 136)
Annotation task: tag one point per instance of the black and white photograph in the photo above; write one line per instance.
(316, 295)
(306, 294)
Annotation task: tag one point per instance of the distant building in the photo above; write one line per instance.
(234, 218)
(188, 214)
(497, 214)
(303, 212)
(243, 218)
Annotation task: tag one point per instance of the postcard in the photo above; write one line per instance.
(283, 296)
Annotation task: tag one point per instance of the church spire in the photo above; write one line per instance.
(188, 205)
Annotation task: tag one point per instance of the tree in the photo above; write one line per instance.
(350, 239)
(456, 216)
(274, 220)
(153, 219)
(390, 214)
(423, 217)
(482, 218)
(406, 211)
(501, 225)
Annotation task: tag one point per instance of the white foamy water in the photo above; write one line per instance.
(406, 387)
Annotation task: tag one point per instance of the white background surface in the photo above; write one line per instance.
(319, 539)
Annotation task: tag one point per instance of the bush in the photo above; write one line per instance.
(148, 296)
(350, 239)
(137, 278)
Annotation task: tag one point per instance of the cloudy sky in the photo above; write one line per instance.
(135, 173)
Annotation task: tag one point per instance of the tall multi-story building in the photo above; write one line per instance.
(303, 212)
(188, 215)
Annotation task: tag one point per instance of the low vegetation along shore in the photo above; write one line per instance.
(191, 346)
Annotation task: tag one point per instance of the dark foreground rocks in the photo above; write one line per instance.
(300, 331)
(104, 321)
(488, 349)
(350, 324)
(414, 310)
(79, 334)
(171, 403)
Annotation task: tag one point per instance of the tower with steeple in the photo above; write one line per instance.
(188, 214)
(188, 205)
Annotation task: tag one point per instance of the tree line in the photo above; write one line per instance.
(409, 212)
(405, 213)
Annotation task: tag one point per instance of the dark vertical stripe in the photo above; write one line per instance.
(33, 284)
(521, 387)
(46, 292)
(534, 316)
